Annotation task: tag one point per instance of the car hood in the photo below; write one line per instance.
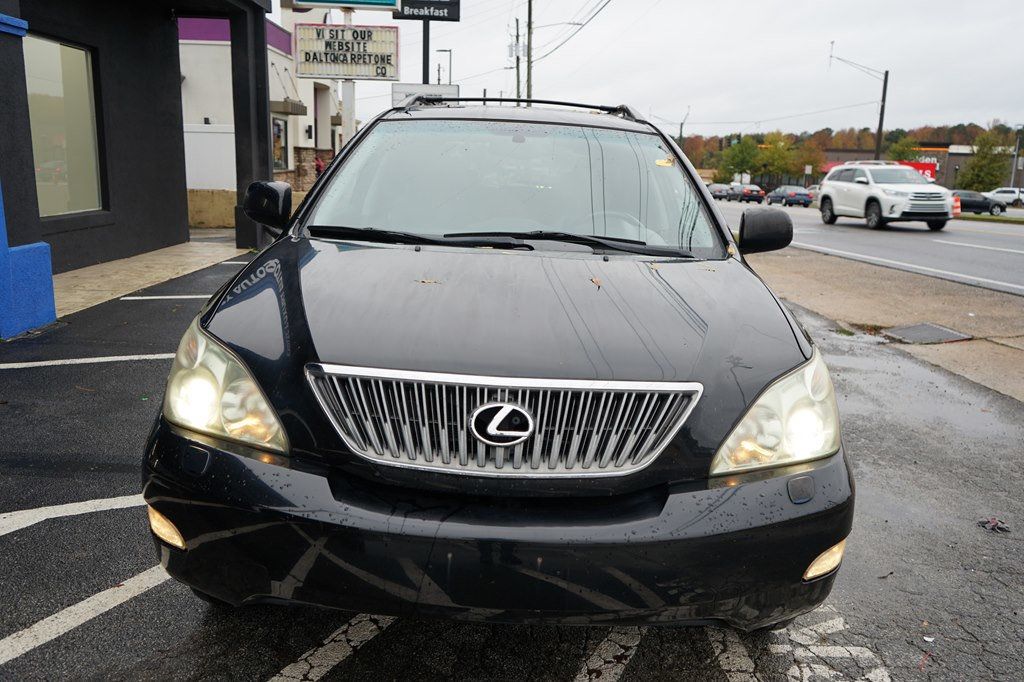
(536, 314)
(915, 187)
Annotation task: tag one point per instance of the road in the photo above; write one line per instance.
(924, 592)
(989, 255)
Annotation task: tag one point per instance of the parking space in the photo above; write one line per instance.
(925, 593)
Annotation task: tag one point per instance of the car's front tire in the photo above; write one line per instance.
(873, 215)
(936, 225)
(996, 209)
(828, 214)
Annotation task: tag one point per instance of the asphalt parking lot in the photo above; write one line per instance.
(925, 593)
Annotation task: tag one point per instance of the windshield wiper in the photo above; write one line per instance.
(612, 243)
(397, 237)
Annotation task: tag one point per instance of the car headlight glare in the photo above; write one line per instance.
(211, 391)
(795, 420)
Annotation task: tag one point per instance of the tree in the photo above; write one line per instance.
(808, 154)
(988, 167)
(904, 149)
(740, 157)
(775, 156)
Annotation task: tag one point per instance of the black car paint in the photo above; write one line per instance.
(976, 202)
(504, 313)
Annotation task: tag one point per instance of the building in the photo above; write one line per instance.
(92, 159)
(305, 118)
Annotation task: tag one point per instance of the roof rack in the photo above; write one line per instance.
(875, 162)
(623, 110)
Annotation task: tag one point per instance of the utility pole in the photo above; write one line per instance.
(682, 123)
(881, 116)
(449, 51)
(519, 89)
(439, 73)
(529, 49)
(873, 73)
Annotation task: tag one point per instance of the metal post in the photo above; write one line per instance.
(1016, 156)
(348, 99)
(519, 90)
(449, 67)
(529, 49)
(426, 52)
(439, 73)
(881, 116)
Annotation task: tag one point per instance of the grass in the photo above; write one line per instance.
(983, 218)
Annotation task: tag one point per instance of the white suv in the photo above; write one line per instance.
(882, 192)
(1011, 196)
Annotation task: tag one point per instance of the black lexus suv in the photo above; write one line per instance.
(504, 363)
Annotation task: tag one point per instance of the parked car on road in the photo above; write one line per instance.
(544, 386)
(789, 195)
(719, 190)
(750, 193)
(882, 192)
(813, 190)
(977, 203)
(1011, 196)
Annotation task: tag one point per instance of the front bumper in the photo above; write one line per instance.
(900, 208)
(258, 532)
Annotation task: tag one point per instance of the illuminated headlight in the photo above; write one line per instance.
(795, 420)
(210, 390)
(895, 193)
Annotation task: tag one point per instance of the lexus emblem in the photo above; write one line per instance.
(501, 424)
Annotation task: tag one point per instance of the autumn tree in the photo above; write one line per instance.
(740, 157)
(904, 149)
(988, 167)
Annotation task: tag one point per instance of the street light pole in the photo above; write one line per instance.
(426, 51)
(519, 90)
(874, 73)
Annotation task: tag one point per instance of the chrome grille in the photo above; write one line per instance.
(927, 196)
(927, 208)
(582, 428)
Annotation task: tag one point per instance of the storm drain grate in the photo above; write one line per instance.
(925, 333)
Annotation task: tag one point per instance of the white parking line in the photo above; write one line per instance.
(612, 655)
(16, 520)
(85, 361)
(976, 246)
(338, 646)
(68, 619)
(731, 653)
(164, 298)
(908, 266)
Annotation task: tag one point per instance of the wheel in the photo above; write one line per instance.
(996, 209)
(936, 225)
(828, 216)
(211, 600)
(873, 215)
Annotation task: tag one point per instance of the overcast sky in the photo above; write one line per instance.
(747, 62)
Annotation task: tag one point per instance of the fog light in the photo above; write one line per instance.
(826, 562)
(164, 529)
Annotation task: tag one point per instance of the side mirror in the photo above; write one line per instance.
(861, 181)
(765, 229)
(269, 203)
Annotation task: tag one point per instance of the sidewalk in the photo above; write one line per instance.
(873, 297)
(86, 287)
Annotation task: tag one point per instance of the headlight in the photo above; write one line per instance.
(895, 193)
(211, 391)
(795, 420)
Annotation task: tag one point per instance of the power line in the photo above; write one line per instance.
(573, 34)
(766, 120)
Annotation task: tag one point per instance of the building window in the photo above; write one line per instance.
(279, 135)
(62, 115)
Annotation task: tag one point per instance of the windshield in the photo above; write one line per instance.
(442, 177)
(897, 176)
